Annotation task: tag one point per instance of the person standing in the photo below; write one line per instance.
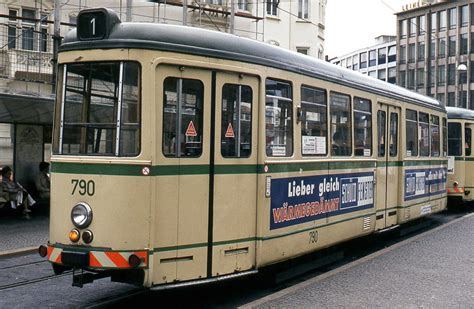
(43, 182)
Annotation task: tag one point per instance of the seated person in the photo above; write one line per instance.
(17, 195)
(42, 182)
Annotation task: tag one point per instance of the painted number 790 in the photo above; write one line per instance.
(83, 187)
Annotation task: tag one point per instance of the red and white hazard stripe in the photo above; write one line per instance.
(456, 190)
(103, 259)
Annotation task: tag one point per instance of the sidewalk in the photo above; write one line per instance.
(18, 234)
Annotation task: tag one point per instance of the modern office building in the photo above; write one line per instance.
(435, 48)
(378, 61)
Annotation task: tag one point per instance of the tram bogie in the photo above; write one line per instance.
(196, 160)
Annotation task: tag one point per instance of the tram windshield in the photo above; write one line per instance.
(98, 109)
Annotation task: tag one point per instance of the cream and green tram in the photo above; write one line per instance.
(183, 155)
(460, 185)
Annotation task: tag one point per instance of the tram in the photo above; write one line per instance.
(460, 185)
(183, 156)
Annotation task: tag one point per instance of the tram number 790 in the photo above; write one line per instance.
(83, 187)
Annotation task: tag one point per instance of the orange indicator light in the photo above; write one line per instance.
(74, 235)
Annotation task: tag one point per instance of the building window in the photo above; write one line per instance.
(355, 62)
(392, 75)
(442, 47)
(442, 20)
(431, 77)
(463, 44)
(12, 37)
(411, 79)
(302, 50)
(272, 7)
(432, 49)
(243, 5)
(452, 18)
(433, 22)
(403, 29)
(472, 14)
(420, 77)
(451, 74)
(472, 41)
(412, 26)
(382, 74)
(372, 58)
(411, 53)
(421, 25)
(421, 51)
(392, 53)
(363, 60)
(441, 98)
(303, 8)
(452, 46)
(27, 38)
(441, 75)
(471, 99)
(464, 15)
(349, 63)
(450, 101)
(373, 74)
(403, 54)
(402, 79)
(382, 55)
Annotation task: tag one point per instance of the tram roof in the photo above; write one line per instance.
(196, 41)
(459, 113)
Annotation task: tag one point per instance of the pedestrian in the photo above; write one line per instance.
(17, 195)
(42, 182)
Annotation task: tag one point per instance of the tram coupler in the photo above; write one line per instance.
(78, 280)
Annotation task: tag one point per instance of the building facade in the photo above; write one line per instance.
(378, 61)
(435, 48)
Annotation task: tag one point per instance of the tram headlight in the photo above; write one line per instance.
(81, 215)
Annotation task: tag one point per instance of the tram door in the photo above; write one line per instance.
(388, 152)
(235, 177)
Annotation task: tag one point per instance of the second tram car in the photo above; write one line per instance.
(182, 155)
(460, 185)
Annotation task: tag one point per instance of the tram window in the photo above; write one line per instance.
(236, 127)
(381, 123)
(341, 143)
(454, 139)
(313, 121)
(468, 142)
(393, 142)
(362, 127)
(95, 107)
(435, 136)
(445, 137)
(424, 134)
(278, 119)
(182, 117)
(411, 133)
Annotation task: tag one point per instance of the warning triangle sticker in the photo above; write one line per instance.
(191, 131)
(230, 131)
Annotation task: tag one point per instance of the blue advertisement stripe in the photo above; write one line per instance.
(426, 182)
(298, 200)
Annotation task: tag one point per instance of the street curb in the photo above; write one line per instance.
(18, 251)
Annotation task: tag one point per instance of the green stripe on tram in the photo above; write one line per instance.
(203, 169)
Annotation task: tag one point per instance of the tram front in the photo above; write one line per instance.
(100, 198)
